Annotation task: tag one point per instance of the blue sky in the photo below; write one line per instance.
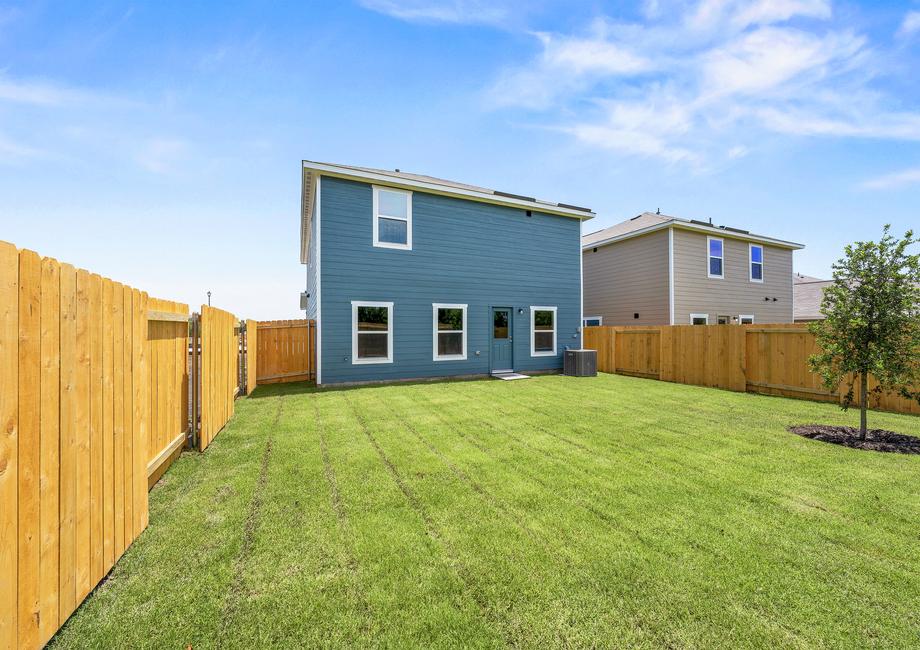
(159, 143)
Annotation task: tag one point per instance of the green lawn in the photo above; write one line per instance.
(549, 512)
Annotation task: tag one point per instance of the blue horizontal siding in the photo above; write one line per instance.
(463, 252)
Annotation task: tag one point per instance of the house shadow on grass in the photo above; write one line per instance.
(302, 387)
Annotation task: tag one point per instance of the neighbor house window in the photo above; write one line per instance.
(756, 255)
(716, 257)
(449, 331)
(392, 218)
(699, 319)
(371, 332)
(542, 331)
(724, 320)
(593, 321)
(746, 319)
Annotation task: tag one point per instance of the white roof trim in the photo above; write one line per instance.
(709, 230)
(328, 169)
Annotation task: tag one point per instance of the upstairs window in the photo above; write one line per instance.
(542, 331)
(449, 332)
(392, 218)
(371, 332)
(716, 257)
(756, 259)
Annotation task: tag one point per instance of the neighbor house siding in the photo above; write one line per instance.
(695, 292)
(463, 252)
(627, 278)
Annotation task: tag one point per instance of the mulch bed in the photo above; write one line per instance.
(876, 439)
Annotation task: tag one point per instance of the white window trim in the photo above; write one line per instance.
(599, 319)
(435, 306)
(741, 318)
(751, 262)
(354, 331)
(408, 219)
(710, 257)
(703, 316)
(542, 353)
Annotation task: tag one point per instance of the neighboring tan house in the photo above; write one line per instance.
(658, 270)
(411, 277)
(808, 293)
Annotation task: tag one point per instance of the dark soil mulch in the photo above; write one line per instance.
(876, 439)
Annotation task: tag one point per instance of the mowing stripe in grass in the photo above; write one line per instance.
(792, 551)
(431, 527)
(249, 529)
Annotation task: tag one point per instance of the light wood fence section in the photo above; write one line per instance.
(286, 351)
(167, 392)
(73, 437)
(252, 347)
(767, 359)
(219, 371)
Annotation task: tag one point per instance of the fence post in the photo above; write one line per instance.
(194, 379)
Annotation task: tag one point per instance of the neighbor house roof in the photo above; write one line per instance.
(420, 182)
(807, 294)
(650, 222)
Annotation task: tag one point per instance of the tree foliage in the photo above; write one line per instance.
(872, 322)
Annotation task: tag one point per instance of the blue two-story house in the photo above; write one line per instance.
(412, 277)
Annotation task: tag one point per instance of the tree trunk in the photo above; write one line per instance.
(863, 403)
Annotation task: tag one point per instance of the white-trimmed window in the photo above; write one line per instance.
(746, 319)
(542, 331)
(699, 319)
(449, 332)
(715, 247)
(755, 259)
(592, 321)
(392, 218)
(371, 332)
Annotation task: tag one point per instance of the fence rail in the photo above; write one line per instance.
(168, 390)
(286, 351)
(766, 359)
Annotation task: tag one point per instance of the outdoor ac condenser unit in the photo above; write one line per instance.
(580, 363)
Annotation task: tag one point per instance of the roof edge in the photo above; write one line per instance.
(687, 225)
(433, 187)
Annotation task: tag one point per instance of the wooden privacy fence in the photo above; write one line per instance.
(73, 442)
(250, 356)
(94, 405)
(767, 359)
(286, 351)
(219, 371)
(168, 393)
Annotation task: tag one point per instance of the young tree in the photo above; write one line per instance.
(872, 322)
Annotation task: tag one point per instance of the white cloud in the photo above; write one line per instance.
(770, 56)
(739, 14)
(441, 11)
(160, 155)
(567, 64)
(40, 92)
(694, 77)
(12, 152)
(910, 25)
(894, 180)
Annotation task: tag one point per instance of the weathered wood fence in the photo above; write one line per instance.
(767, 359)
(286, 351)
(94, 406)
